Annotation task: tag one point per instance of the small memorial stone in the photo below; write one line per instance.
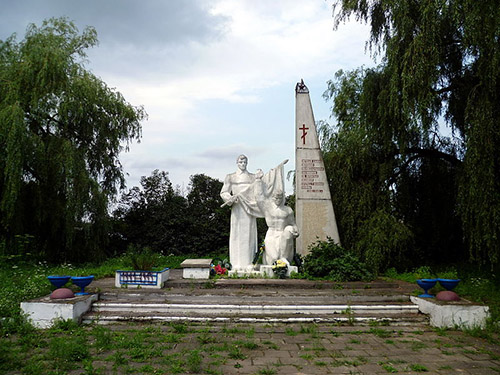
(62, 293)
(196, 268)
(447, 295)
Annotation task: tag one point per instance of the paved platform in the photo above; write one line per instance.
(247, 345)
(298, 349)
(177, 281)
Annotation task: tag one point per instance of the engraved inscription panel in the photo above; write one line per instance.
(310, 180)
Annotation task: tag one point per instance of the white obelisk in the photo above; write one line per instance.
(313, 203)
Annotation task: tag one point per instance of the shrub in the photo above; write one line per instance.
(329, 260)
(142, 259)
(383, 241)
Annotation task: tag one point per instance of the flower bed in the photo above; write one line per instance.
(141, 279)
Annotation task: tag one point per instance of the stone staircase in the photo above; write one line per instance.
(258, 300)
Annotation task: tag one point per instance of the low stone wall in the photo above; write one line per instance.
(43, 312)
(460, 314)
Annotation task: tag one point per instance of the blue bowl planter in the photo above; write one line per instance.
(141, 279)
(58, 281)
(82, 282)
(449, 284)
(426, 284)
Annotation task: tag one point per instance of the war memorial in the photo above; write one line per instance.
(385, 258)
(252, 298)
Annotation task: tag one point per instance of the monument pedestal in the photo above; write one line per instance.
(264, 271)
(244, 273)
(267, 271)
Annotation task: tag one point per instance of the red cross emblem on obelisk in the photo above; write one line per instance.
(304, 133)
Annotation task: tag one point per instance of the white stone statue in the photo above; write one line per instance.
(237, 192)
(240, 191)
(280, 220)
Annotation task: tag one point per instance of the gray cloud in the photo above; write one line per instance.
(166, 164)
(132, 22)
(137, 38)
(229, 152)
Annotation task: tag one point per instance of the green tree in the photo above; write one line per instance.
(61, 131)
(154, 215)
(380, 192)
(439, 67)
(210, 221)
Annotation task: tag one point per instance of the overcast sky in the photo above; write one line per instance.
(216, 77)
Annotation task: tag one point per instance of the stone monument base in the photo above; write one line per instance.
(244, 273)
(267, 271)
(264, 271)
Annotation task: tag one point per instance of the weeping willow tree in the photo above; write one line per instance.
(411, 191)
(61, 131)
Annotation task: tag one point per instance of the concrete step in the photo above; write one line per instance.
(259, 297)
(255, 308)
(396, 319)
(403, 313)
(278, 283)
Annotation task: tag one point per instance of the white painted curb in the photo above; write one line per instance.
(452, 315)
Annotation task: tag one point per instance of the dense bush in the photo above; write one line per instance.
(327, 259)
(142, 259)
(382, 241)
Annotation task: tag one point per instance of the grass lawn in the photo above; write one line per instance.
(21, 281)
(219, 348)
(216, 348)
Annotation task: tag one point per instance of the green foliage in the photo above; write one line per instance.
(153, 215)
(423, 272)
(193, 361)
(14, 321)
(209, 220)
(439, 67)
(64, 351)
(280, 269)
(142, 259)
(379, 185)
(61, 131)
(65, 325)
(327, 259)
(19, 283)
(417, 367)
(383, 240)
(103, 337)
(6, 355)
(235, 353)
(156, 215)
